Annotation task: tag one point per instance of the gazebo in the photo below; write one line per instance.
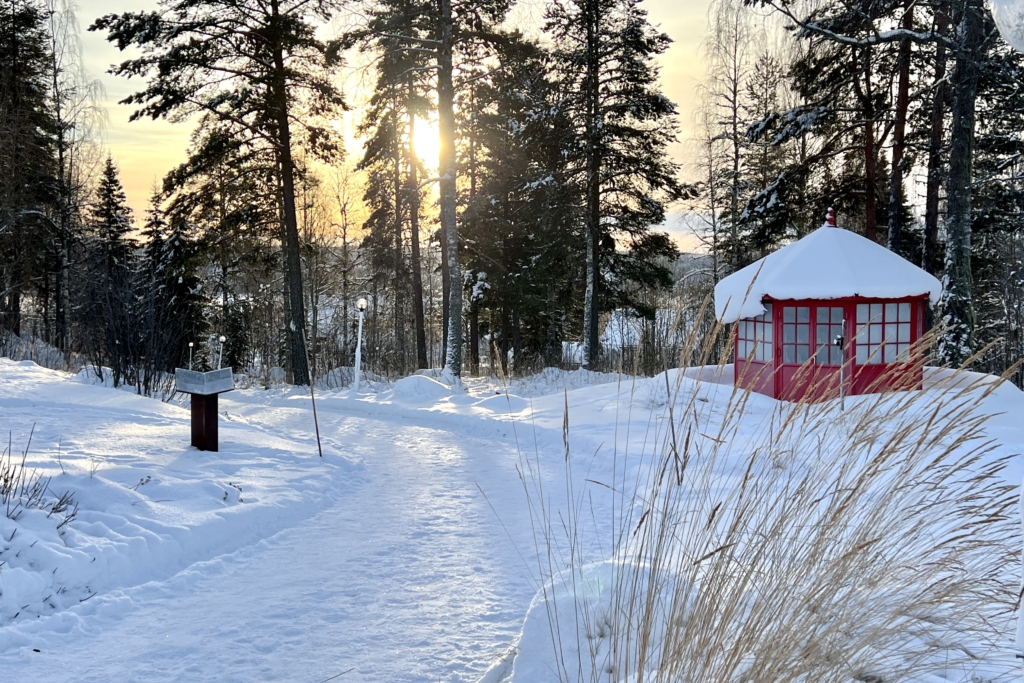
(833, 307)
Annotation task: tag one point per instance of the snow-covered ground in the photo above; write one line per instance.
(407, 553)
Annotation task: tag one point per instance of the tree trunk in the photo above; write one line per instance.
(737, 151)
(957, 340)
(870, 157)
(505, 334)
(929, 255)
(517, 348)
(474, 305)
(870, 153)
(474, 339)
(870, 181)
(292, 255)
(591, 339)
(449, 228)
(444, 298)
(399, 254)
(344, 287)
(899, 135)
(414, 240)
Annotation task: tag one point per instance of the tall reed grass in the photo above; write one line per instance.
(766, 542)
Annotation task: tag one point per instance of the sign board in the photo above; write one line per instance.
(204, 383)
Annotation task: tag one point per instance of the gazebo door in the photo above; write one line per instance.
(808, 360)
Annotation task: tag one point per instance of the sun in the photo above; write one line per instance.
(426, 143)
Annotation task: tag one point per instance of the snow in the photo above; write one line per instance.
(1009, 16)
(418, 388)
(407, 553)
(829, 263)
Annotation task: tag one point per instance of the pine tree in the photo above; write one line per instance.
(606, 51)
(244, 65)
(392, 188)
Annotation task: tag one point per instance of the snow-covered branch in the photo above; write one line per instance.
(813, 28)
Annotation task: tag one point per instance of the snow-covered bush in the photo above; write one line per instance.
(27, 347)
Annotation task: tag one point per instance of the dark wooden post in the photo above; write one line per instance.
(198, 421)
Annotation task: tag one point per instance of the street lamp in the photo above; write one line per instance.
(361, 307)
(190, 345)
(220, 354)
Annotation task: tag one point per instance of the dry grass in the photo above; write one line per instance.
(876, 544)
(24, 489)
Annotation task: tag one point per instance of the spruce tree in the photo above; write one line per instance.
(521, 262)
(606, 52)
(171, 299)
(27, 172)
(107, 309)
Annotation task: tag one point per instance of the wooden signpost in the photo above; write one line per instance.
(204, 388)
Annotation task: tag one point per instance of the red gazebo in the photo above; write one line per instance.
(792, 306)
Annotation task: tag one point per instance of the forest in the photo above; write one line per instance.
(536, 233)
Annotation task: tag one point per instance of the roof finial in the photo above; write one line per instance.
(830, 219)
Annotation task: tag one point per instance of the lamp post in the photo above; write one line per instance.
(361, 307)
(220, 352)
(190, 345)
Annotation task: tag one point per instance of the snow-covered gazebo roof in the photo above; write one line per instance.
(829, 263)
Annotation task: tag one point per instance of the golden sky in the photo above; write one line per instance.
(146, 150)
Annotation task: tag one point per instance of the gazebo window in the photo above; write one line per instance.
(829, 326)
(796, 334)
(755, 337)
(883, 333)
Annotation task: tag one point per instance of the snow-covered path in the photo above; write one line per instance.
(431, 590)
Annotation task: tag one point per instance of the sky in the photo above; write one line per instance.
(145, 150)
